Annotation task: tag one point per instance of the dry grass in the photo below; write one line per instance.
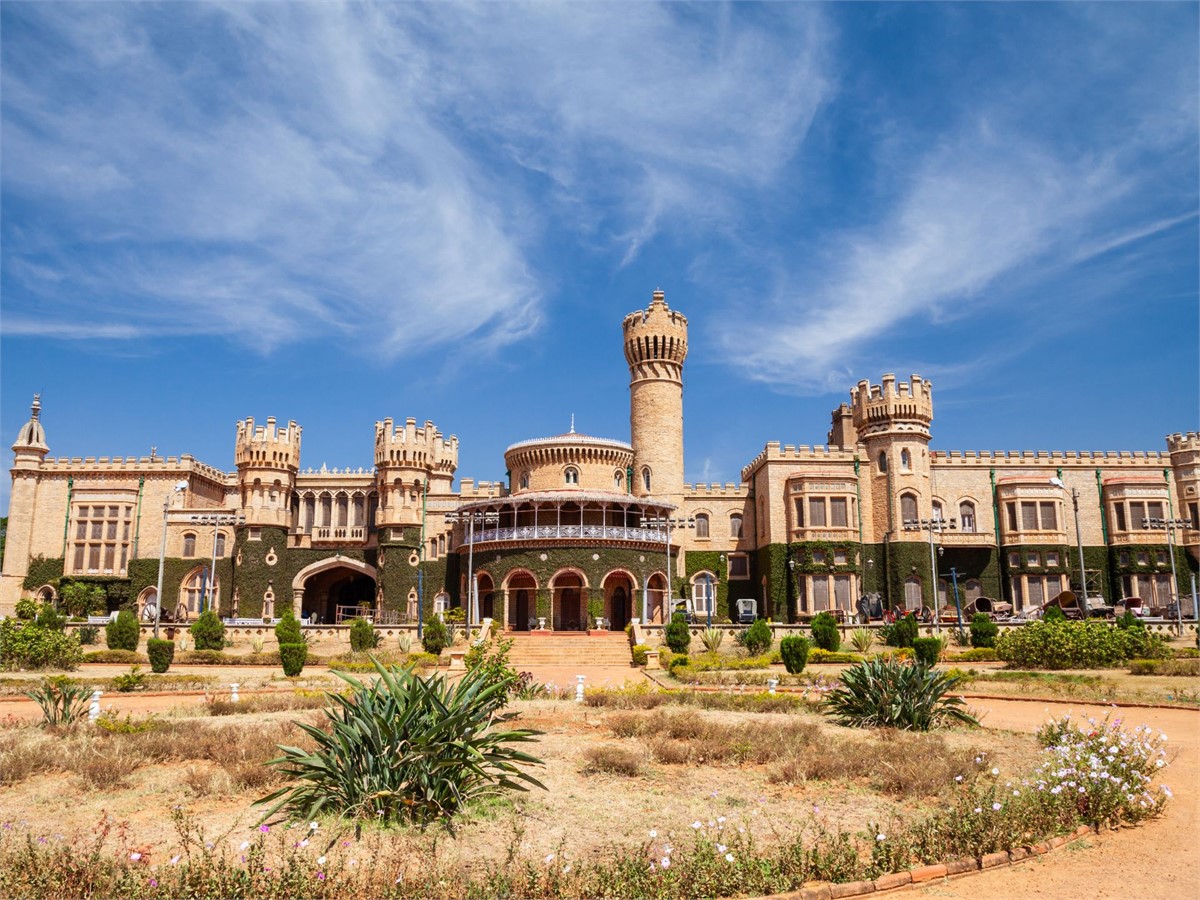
(613, 760)
(265, 703)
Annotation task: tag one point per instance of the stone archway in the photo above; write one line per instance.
(569, 601)
(520, 592)
(620, 588)
(320, 588)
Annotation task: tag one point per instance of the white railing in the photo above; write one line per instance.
(349, 533)
(587, 532)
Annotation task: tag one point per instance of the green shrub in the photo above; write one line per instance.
(50, 618)
(293, 657)
(1088, 644)
(80, 598)
(758, 638)
(421, 660)
(794, 652)
(27, 645)
(287, 629)
(678, 661)
(161, 654)
(63, 702)
(861, 639)
(434, 637)
(27, 609)
(133, 680)
(825, 633)
(927, 650)
(88, 634)
(1053, 614)
(664, 657)
(712, 638)
(983, 631)
(882, 693)
(1164, 666)
(405, 748)
(123, 632)
(206, 658)
(902, 633)
(640, 653)
(208, 632)
(1186, 653)
(817, 655)
(677, 634)
(979, 654)
(490, 661)
(363, 636)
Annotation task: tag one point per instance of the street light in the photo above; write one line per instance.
(216, 520)
(1170, 525)
(470, 518)
(162, 553)
(1058, 482)
(939, 525)
(666, 524)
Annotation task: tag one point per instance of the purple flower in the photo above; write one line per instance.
(320, 876)
(264, 828)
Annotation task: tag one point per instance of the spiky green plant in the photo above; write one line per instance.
(405, 748)
(711, 638)
(63, 702)
(884, 693)
(861, 639)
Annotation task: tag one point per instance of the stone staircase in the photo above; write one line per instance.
(568, 648)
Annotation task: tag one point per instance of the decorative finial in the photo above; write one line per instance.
(153, 452)
(572, 423)
(36, 409)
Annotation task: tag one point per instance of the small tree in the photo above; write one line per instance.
(363, 636)
(904, 632)
(678, 635)
(983, 631)
(80, 598)
(293, 657)
(825, 632)
(794, 651)
(434, 636)
(208, 632)
(50, 618)
(122, 634)
(27, 609)
(287, 629)
(758, 638)
(927, 650)
(161, 653)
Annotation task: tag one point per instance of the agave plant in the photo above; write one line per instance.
(405, 748)
(711, 638)
(889, 694)
(861, 639)
(405, 642)
(63, 702)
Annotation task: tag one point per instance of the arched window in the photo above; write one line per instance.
(196, 594)
(908, 507)
(220, 544)
(905, 461)
(189, 545)
(882, 461)
(571, 475)
(735, 525)
(646, 478)
(938, 515)
(619, 480)
(524, 481)
(966, 515)
(704, 588)
(702, 525)
(912, 593)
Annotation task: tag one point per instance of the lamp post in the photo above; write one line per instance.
(939, 525)
(162, 554)
(1170, 525)
(666, 523)
(957, 605)
(1058, 482)
(470, 518)
(216, 520)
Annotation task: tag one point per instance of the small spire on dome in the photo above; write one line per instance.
(32, 435)
(572, 423)
(36, 409)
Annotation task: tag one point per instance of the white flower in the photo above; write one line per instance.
(995, 771)
(958, 778)
(135, 856)
(550, 858)
(728, 857)
(697, 824)
(566, 868)
(1158, 764)
(653, 833)
(245, 845)
(978, 809)
(304, 843)
(320, 860)
(665, 862)
(312, 826)
(881, 837)
(1016, 793)
(996, 806)
(720, 819)
(175, 860)
(721, 848)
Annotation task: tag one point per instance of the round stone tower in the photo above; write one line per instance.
(1185, 465)
(29, 451)
(655, 348)
(892, 421)
(408, 461)
(267, 460)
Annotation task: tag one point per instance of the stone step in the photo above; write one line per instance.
(569, 648)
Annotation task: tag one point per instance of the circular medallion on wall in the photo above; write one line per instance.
(271, 558)
(543, 557)
(595, 556)
(413, 559)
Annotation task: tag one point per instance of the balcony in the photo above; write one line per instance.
(339, 534)
(568, 532)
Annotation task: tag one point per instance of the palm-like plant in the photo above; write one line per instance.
(889, 694)
(861, 639)
(711, 638)
(63, 702)
(405, 748)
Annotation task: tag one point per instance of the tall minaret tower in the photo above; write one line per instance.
(268, 458)
(655, 348)
(29, 450)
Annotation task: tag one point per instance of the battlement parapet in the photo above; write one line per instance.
(909, 402)
(469, 489)
(412, 447)
(135, 465)
(267, 446)
(1181, 441)
(774, 451)
(657, 334)
(1050, 458)
(728, 489)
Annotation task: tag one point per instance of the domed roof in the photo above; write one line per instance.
(572, 437)
(32, 435)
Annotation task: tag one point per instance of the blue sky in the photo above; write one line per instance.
(336, 214)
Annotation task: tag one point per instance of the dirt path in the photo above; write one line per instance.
(1157, 860)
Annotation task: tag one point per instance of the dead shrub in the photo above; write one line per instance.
(23, 759)
(626, 724)
(266, 703)
(613, 760)
(204, 781)
(671, 752)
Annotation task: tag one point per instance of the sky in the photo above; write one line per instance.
(340, 213)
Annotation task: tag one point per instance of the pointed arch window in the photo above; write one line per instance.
(905, 461)
(189, 545)
(646, 478)
(966, 515)
(524, 481)
(702, 526)
(882, 461)
(220, 544)
(571, 475)
(908, 507)
(735, 525)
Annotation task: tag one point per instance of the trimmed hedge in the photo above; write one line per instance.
(927, 650)
(434, 636)
(978, 654)
(640, 653)
(677, 634)
(1091, 644)
(984, 631)
(825, 633)
(208, 631)
(817, 655)
(123, 634)
(794, 652)
(1189, 666)
(161, 654)
(128, 657)
(293, 657)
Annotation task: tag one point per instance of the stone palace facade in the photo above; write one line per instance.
(597, 528)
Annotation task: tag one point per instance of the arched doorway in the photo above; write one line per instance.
(657, 590)
(334, 588)
(197, 595)
(569, 608)
(618, 599)
(487, 596)
(522, 603)
(912, 593)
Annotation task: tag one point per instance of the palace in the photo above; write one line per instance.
(591, 528)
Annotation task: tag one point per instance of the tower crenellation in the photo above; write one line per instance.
(410, 460)
(267, 446)
(888, 406)
(268, 458)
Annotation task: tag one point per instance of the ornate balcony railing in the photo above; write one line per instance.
(560, 532)
(349, 534)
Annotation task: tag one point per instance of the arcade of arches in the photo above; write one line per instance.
(325, 587)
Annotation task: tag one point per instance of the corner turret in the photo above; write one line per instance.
(406, 459)
(267, 460)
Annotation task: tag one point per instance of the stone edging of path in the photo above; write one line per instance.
(921, 874)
